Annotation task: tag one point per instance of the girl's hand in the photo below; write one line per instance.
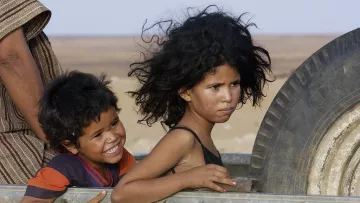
(207, 176)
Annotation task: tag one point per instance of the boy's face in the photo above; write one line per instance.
(103, 141)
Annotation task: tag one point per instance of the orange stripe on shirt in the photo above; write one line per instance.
(50, 179)
(127, 162)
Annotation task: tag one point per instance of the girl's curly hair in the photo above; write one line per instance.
(186, 53)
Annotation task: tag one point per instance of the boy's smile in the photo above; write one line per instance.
(116, 150)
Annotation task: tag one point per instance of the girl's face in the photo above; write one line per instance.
(216, 97)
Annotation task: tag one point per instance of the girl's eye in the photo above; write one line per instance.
(215, 87)
(235, 84)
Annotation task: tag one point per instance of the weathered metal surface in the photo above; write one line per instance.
(14, 193)
(237, 163)
(336, 166)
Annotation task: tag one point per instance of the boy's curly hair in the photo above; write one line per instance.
(186, 53)
(70, 103)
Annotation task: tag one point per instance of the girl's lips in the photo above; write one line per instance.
(227, 110)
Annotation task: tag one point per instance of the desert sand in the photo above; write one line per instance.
(112, 55)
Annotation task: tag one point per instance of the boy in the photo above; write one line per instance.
(79, 115)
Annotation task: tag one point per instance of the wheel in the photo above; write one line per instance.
(309, 139)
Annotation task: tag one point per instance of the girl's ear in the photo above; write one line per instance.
(184, 94)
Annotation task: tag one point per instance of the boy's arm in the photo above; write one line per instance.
(144, 184)
(28, 199)
(50, 181)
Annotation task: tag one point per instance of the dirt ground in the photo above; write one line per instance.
(113, 55)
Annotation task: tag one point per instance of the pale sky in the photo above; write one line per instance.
(126, 17)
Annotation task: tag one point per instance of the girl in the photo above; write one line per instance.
(202, 69)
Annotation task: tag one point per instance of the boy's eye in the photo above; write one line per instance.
(115, 123)
(98, 134)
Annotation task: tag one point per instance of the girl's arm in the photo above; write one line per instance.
(144, 184)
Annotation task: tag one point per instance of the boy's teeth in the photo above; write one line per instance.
(112, 150)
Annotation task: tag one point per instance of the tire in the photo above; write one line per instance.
(314, 97)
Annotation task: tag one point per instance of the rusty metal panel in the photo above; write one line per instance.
(14, 193)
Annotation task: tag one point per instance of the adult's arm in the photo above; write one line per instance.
(21, 77)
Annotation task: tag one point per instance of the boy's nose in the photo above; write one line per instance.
(110, 136)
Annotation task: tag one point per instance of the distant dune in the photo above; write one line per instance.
(113, 56)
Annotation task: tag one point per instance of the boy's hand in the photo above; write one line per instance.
(207, 176)
(98, 197)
